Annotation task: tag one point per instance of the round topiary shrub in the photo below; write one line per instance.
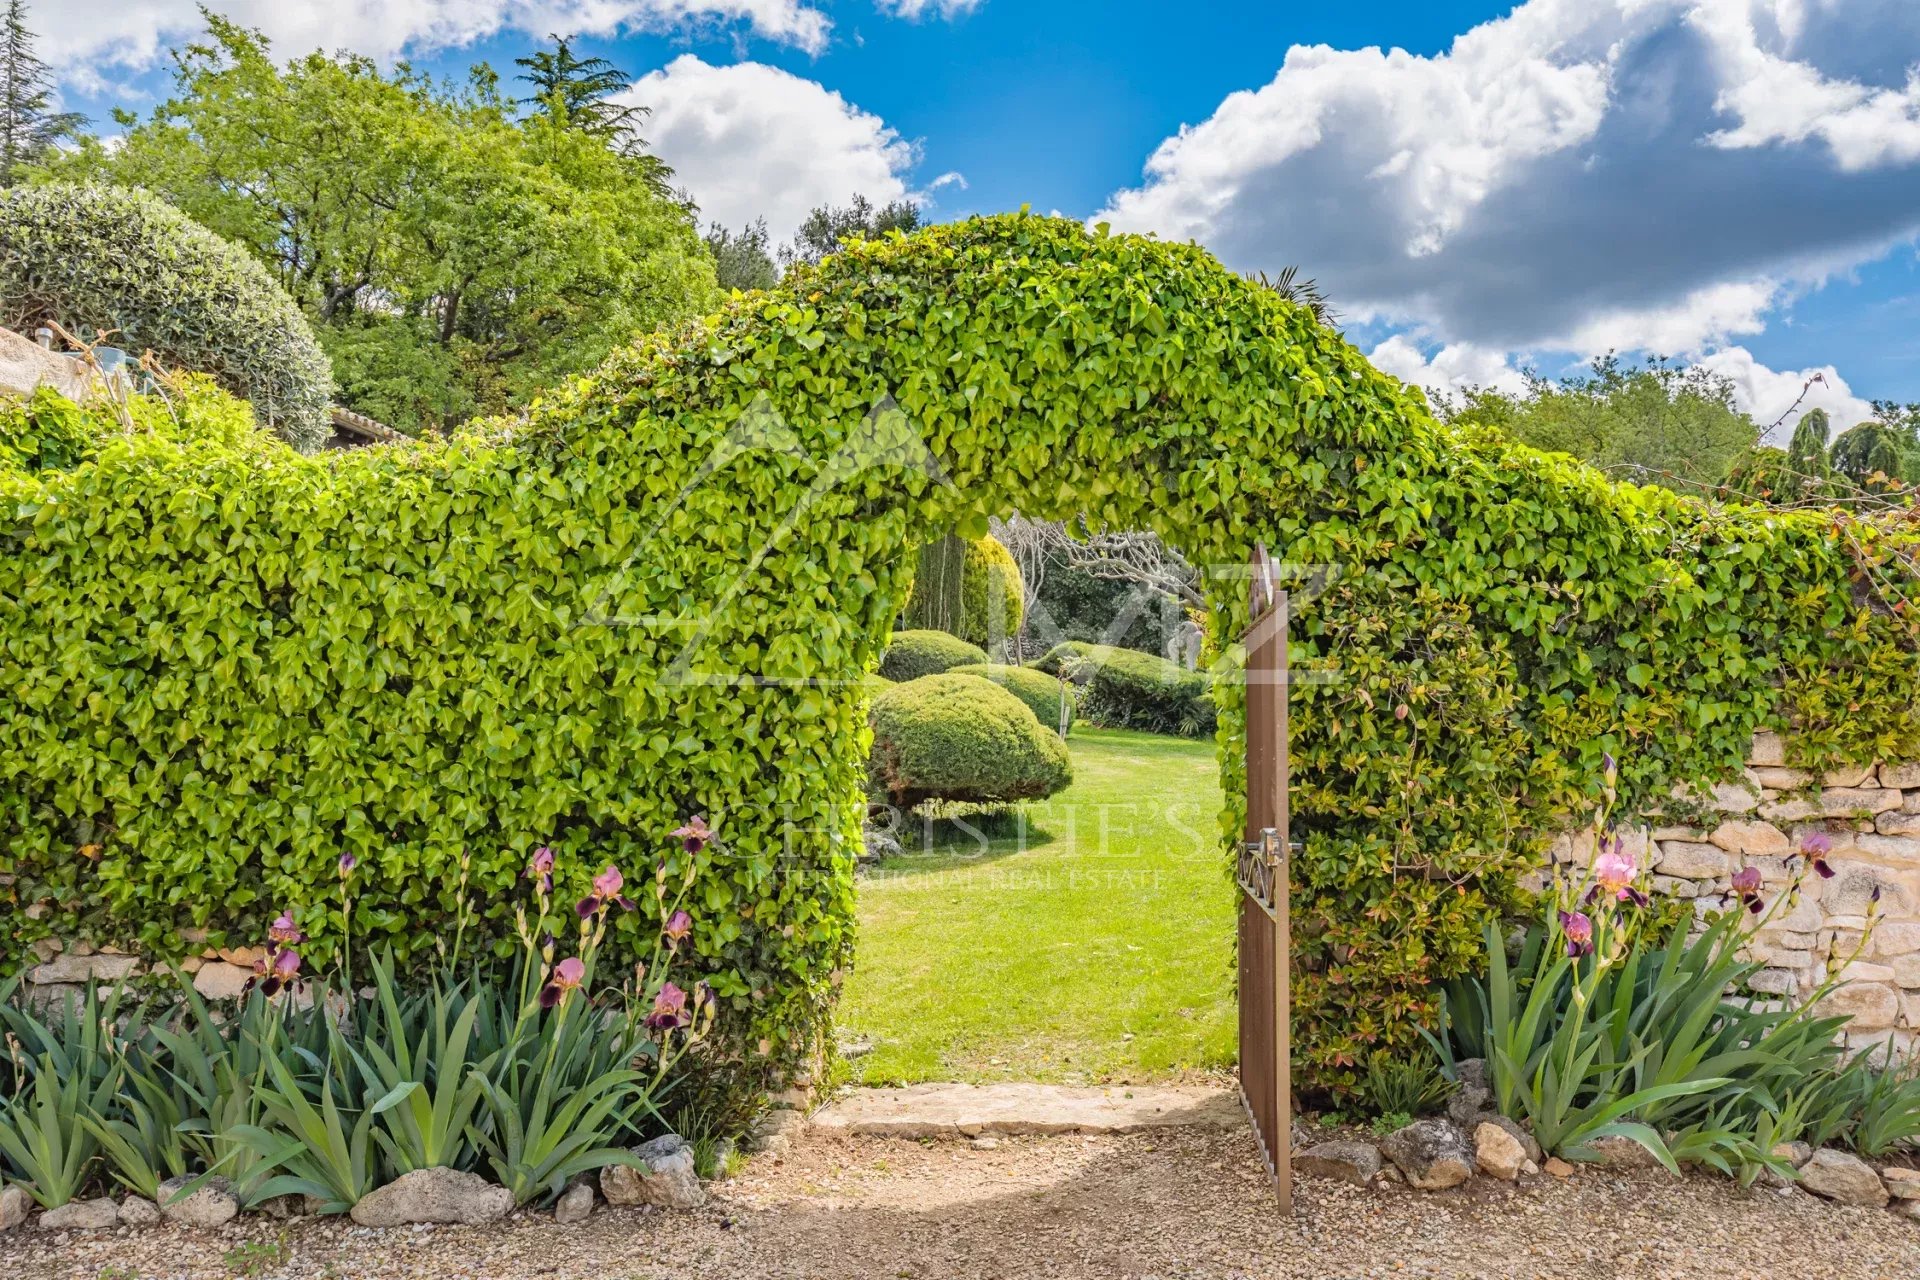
(1127, 689)
(952, 737)
(912, 654)
(1043, 693)
(128, 263)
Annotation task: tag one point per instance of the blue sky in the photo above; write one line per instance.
(1482, 188)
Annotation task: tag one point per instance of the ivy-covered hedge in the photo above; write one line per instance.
(106, 258)
(1045, 695)
(659, 596)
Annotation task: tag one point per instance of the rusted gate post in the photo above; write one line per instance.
(1266, 1073)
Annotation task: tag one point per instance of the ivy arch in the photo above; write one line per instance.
(661, 594)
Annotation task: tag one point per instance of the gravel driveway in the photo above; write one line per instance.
(1174, 1203)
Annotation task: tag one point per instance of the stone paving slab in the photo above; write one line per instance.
(967, 1110)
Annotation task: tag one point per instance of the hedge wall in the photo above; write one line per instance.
(660, 595)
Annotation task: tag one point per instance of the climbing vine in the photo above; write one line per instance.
(660, 594)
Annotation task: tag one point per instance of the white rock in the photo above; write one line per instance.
(218, 980)
(1354, 1162)
(1840, 802)
(1433, 1154)
(668, 1180)
(137, 1211)
(74, 967)
(1901, 1184)
(1755, 836)
(1692, 861)
(1901, 777)
(15, 1205)
(211, 1204)
(434, 1195)
(82, 1215)
(575, 1206)
(1769, 748)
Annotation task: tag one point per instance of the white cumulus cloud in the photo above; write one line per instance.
(82, 39)
(1580, 174)
(1769, 393)
(750, 141)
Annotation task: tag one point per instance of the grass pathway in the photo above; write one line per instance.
(1094, 947)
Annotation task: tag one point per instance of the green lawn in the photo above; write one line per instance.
(1098, 947)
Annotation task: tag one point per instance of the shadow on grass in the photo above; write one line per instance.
(961, 836)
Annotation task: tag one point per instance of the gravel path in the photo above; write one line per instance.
(1172, 1203)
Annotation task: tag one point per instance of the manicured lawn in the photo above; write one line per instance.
(1097, 948)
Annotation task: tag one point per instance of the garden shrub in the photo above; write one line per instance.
(48, 432)
(1043, 694)
(988, 578)
(659, 596)
(961, 738)
(912, 654)
(1127, 689)
(1074, 659)
(106, 258)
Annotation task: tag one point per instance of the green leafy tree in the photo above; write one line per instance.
(30, 126)
(741, 259)
(456, 259)
(1869, 456)
(1652, 424)
(827, 228)
(1807, 449)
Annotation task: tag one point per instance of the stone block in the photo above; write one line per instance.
(1841, 802)
(1752, 836)
(1693, 861)
(1901, 777)
(1778, 779)
(1795, 810)
(1871, 1007)
(1897, 822)
(73, 967)
(1769, 748)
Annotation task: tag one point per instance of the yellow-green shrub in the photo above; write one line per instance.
(985, 607)
(224, 666)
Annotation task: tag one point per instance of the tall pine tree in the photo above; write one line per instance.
(29, 126)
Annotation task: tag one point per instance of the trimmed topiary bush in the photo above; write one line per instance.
(989, 577)
(1069, 658)
(960, 738)
(124, 261)
(1127, 689)
(1041, 692)
(912, 654)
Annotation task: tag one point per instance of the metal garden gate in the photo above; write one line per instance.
(1266, 1085)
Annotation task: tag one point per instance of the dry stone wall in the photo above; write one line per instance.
(1871, 816)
